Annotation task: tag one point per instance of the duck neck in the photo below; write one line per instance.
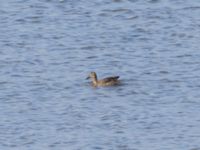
(94, 80)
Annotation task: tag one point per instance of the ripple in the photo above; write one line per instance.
(192, 8)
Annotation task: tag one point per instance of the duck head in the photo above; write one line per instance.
(92, 75)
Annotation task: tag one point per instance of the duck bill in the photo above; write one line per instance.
(87, 77)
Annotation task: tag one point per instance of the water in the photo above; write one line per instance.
(48, 47)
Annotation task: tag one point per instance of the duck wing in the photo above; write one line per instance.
(110, 79)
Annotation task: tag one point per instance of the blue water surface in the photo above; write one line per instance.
(48, 47)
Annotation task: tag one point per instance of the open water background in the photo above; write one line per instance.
(48, 47)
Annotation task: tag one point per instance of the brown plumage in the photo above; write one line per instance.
(109, 81)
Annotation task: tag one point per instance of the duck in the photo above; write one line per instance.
(109, 81)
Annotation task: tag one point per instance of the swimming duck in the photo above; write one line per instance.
(109, 81)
